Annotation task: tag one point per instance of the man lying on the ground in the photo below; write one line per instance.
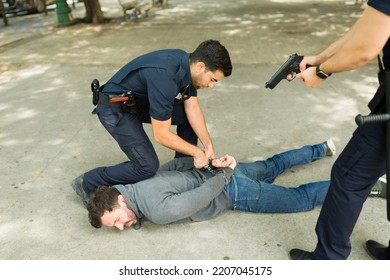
(179, 192)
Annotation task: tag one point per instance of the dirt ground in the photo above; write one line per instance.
(48, 135)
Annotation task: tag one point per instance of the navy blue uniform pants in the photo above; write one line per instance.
(353, 175)
(127, 129)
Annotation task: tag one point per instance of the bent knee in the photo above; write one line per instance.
(149, 170)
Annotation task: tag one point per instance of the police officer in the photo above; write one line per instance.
(164, 84)
(363, 160)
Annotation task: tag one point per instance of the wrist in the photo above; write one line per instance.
(198, 152)
(321, 73)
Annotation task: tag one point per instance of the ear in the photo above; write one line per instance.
(122, 200)
(200, 67)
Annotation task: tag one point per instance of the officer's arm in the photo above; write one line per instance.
(365, 41)
(163, 135)
(196, 118)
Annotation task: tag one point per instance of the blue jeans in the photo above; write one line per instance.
(252, 190)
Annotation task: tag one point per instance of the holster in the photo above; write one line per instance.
(377, 103)
(95, 91)
(130, 106)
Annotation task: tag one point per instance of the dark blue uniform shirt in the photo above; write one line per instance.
(156, 79)
(384, 7)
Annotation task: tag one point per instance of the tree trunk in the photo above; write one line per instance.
(93, 12)
(3, 13)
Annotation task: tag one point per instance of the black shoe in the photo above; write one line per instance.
(80, 189)
(377, 250)
(298, 254)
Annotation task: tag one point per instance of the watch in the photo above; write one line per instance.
(321, 73)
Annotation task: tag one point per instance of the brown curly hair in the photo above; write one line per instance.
(103, 199)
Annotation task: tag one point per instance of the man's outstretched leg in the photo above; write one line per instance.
(268, 170)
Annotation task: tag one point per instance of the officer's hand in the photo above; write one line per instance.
(209, 152)
(308, 61)
(200, 160)
(309, 77)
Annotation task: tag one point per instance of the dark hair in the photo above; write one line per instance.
(214, 55)
(103, 199)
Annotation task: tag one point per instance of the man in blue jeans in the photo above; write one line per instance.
(164, 84)
(179, 192)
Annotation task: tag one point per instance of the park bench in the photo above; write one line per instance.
(133, 8)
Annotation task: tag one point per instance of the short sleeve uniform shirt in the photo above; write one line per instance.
(156, 79)
(384, 7)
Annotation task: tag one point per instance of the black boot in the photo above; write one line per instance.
(377, 250)
(298, 254)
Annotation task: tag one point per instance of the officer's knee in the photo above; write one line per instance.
(149, 170)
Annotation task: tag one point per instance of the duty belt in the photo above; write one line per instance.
(104, 99)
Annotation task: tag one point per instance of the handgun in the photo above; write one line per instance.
(291, 66)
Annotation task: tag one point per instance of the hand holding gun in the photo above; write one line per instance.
(291, 66)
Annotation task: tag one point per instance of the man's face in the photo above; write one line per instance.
(203, 78)
(121, 217)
